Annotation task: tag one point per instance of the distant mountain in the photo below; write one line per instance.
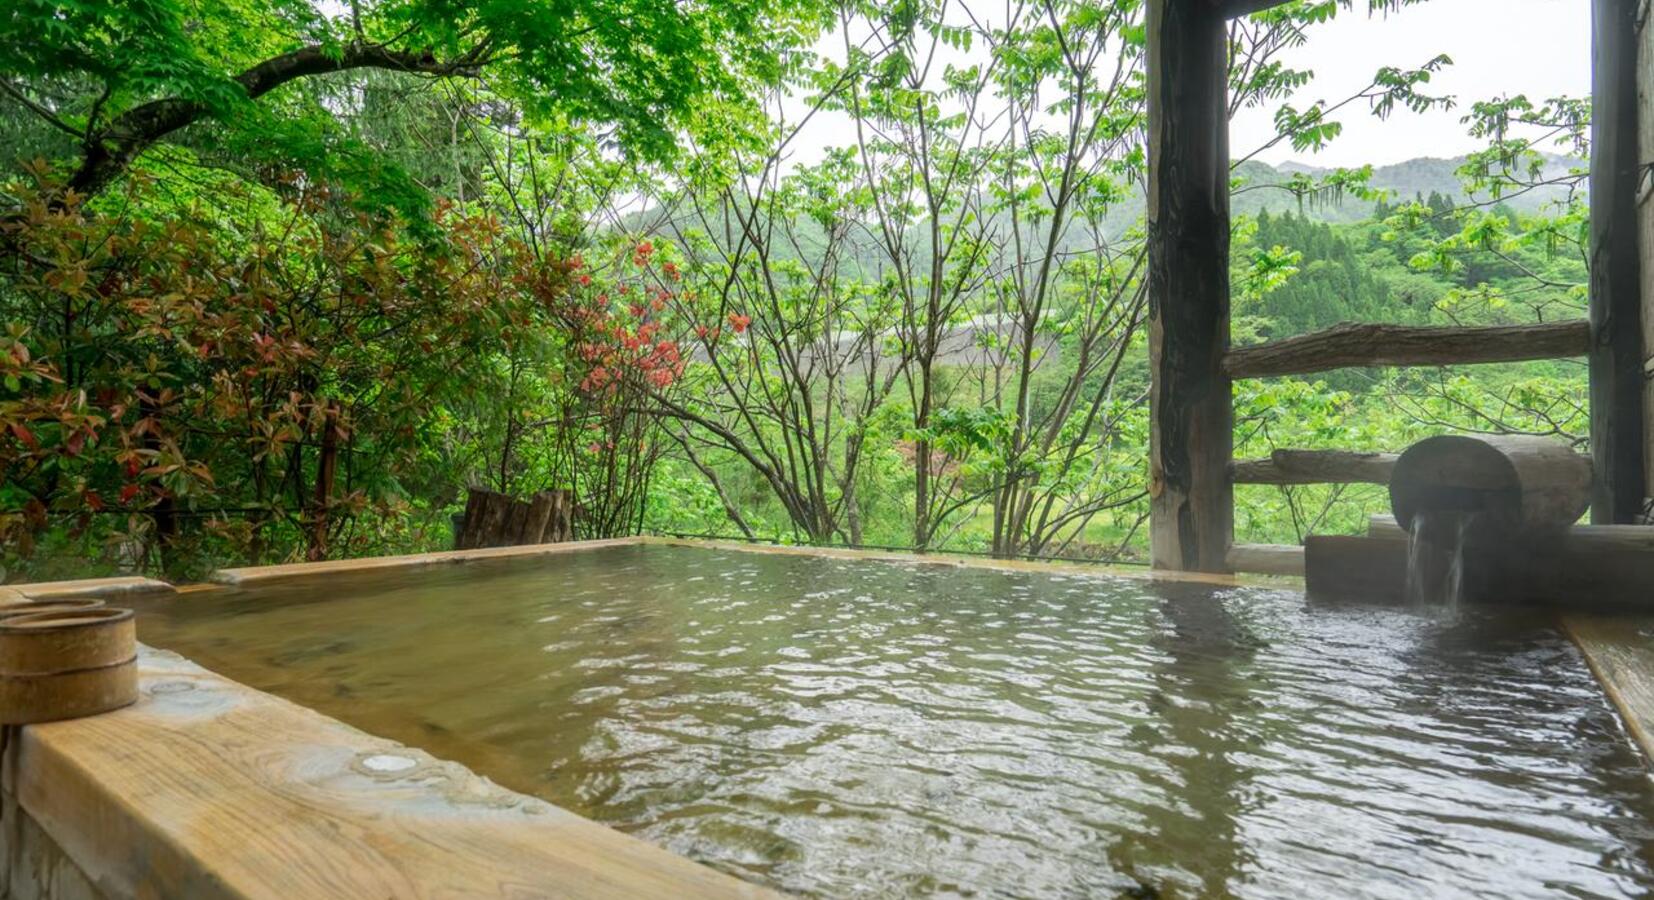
(1415, 178)
(1257, 191)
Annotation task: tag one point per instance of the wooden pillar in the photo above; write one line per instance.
(1190, 405)
(1618, 383)
(1645, 234)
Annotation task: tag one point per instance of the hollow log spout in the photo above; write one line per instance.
(1524, 495)
(1516, 484)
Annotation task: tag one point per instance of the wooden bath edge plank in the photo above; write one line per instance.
(90, 587)
(249, 575)
(209, 789)
(1267, 559)
(289, 571)
(942, 558)
(1620, 652)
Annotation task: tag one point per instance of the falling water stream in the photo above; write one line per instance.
(1435, 557)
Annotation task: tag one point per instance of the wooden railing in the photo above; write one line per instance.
(1315, 467)
(1350, 344)
(1191, 472)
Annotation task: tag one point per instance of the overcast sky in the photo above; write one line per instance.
(1541, 48)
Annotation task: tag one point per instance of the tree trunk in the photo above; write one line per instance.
(327, 467)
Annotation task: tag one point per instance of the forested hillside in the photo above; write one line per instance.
(279, 283)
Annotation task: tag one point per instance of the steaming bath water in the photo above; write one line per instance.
(861, 729)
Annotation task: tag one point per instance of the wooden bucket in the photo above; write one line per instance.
(65, 663)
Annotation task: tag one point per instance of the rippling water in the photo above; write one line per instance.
(860, 729)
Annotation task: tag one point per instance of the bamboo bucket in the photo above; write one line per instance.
(65, 660)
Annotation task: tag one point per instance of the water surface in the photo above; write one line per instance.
(863, 729)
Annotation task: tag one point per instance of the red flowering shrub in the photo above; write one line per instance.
(173, 390)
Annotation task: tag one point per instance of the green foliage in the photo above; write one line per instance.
(341, 262)
(240, 78)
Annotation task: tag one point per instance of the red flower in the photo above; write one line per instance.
(739, 322)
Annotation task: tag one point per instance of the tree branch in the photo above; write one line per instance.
(111, 150)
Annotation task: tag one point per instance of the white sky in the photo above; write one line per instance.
(1541, 48)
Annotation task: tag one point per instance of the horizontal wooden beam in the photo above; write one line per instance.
(1385, 526)
(1603, 537)
(1267, 559)
(1604, 568)
(1234, 9)
(1315, 467)
(1351, 344)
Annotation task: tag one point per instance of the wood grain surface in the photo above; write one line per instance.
(209, 789)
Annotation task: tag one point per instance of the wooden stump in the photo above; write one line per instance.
(561, 526)
(511, 530)
(540, 510)
(495, 520)
(466, 537)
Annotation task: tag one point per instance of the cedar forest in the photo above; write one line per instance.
(281, 280)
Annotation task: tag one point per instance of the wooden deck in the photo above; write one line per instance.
(209, 789)
(1620, 652)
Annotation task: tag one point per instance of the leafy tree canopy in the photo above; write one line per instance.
(116, 78)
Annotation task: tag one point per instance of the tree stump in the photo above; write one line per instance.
(493, 519)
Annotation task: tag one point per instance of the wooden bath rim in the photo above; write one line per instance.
(132, 778)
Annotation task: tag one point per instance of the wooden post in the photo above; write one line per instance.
(1617, 355)
(1190, 407)
(1645, 233)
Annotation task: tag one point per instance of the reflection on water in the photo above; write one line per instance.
(846, 728)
